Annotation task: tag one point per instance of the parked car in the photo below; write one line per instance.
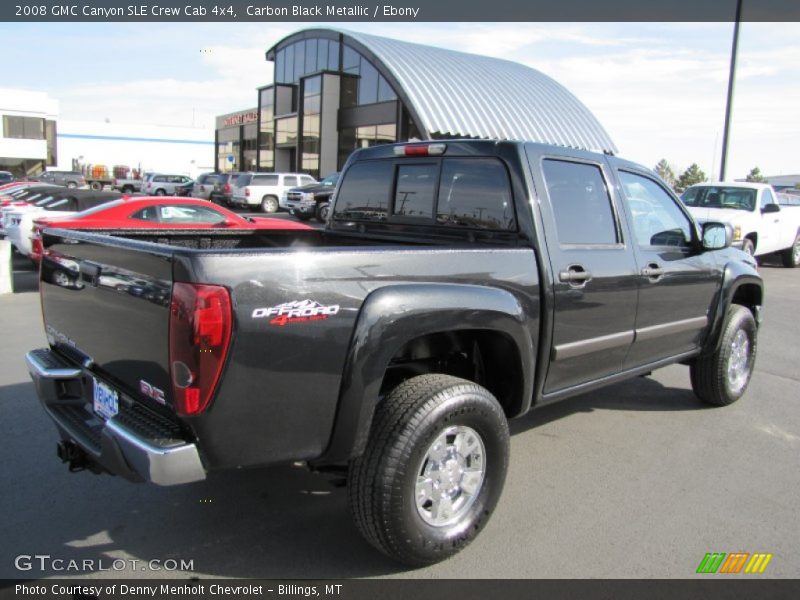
(185, 189)
(127, 186)
(159, 184)
(154, 213)
(312, 200)
(761, 225)
(70, 179)
(7, 177)
(21, 198)
(265, 190)
(456, 285)
(19, 221)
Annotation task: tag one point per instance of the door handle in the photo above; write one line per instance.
(653, 271)
(575, 275)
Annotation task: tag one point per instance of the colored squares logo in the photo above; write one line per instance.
(733, 563)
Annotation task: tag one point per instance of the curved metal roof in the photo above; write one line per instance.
(456, 94)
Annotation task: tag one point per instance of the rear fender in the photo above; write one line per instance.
(395, 315)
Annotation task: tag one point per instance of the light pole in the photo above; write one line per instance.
(731, 77)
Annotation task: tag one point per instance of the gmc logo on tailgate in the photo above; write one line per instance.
(152, 391)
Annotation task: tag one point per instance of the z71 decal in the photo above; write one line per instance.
(298, 311)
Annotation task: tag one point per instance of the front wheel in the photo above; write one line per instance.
(72, 185)
(161, 192)
(791, 256)
(269, 204)
(323, 211)
(432, 471)
(722, 377)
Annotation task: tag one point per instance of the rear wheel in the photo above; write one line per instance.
(161, 192)
(722, 378)
(791, 256)
(127, 189)
(323, 211)
(72, 184)
(432, 471)
(269, 204)
(96, 185)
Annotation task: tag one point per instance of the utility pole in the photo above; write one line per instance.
(731, 78)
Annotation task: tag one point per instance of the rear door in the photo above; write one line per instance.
(595, 287)
(677, 280)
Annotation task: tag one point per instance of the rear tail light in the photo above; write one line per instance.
(420, 150)
(227, 188)
(199, 335)
(247, 191)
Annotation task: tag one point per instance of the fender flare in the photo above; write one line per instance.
(734, 276)
(393, 316)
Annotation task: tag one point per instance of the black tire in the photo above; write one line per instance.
(72, 185)
(96, 186)
(748, 246)
(127, 189)
(382, 483)
(269, 204)
(710, 374)
(322, 212)
(161, 192)
(791, 256)
(302, 216)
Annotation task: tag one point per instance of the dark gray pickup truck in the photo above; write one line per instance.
(456, 285)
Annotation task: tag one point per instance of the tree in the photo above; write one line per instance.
(755, 176)
(664, 170)
(689, 177)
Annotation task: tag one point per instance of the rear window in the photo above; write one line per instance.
(454, 192)
(264, 180)
(364, 193)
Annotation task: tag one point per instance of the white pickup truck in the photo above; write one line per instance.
(761, 224)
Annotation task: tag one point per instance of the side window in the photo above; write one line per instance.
(305, 180)
(414, 192)
(269, 180)
(475, 192)
(290, 181)
(364, 193)
(581, 204)
(657, 220)
(186, 214)
(146, 214)
(767, 198)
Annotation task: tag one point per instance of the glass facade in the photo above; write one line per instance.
(27, 128)
(297, 116)
(228, 141)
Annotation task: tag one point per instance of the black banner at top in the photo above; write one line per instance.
(390, 10)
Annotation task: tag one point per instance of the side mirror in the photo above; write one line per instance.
(770, 208)
(716, 236)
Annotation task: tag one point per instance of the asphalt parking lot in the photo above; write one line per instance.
(636, 480)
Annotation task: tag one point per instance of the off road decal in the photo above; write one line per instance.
(298, 311)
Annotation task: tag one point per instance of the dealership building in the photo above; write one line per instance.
(28, 131)
(335, 91)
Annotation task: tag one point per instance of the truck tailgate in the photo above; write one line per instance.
(107, 307)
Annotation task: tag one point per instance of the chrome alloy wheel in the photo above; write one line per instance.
(450, 476)
(739, 361)
(796, 251)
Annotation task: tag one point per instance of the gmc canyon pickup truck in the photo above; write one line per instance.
(456, 285)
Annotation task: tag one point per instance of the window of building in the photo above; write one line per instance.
(266, 134)
(580, 201)
(28, 128)
(364, 137)
(310, 147)
(657, 219)
(286, 131)
(368, 84)
(475, 192)
(414, 191)
(52, 147)
(364, 192)
(351, 60)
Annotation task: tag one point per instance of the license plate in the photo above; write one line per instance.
(106, 400)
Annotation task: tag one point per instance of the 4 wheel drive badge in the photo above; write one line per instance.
(298, 311)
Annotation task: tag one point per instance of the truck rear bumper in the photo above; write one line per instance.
(131, 445)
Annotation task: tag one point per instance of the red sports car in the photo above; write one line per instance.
(156, 213)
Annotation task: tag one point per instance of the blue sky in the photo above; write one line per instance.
(658, 88)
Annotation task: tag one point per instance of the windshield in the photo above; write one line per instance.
(720, 197)
(330, 179)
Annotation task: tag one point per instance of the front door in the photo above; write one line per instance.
(678, 282)
(595, 274)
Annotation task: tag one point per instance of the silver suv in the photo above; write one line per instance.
(265, 190)
(160, 184)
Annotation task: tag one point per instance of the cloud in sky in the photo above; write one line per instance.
(659, 89)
